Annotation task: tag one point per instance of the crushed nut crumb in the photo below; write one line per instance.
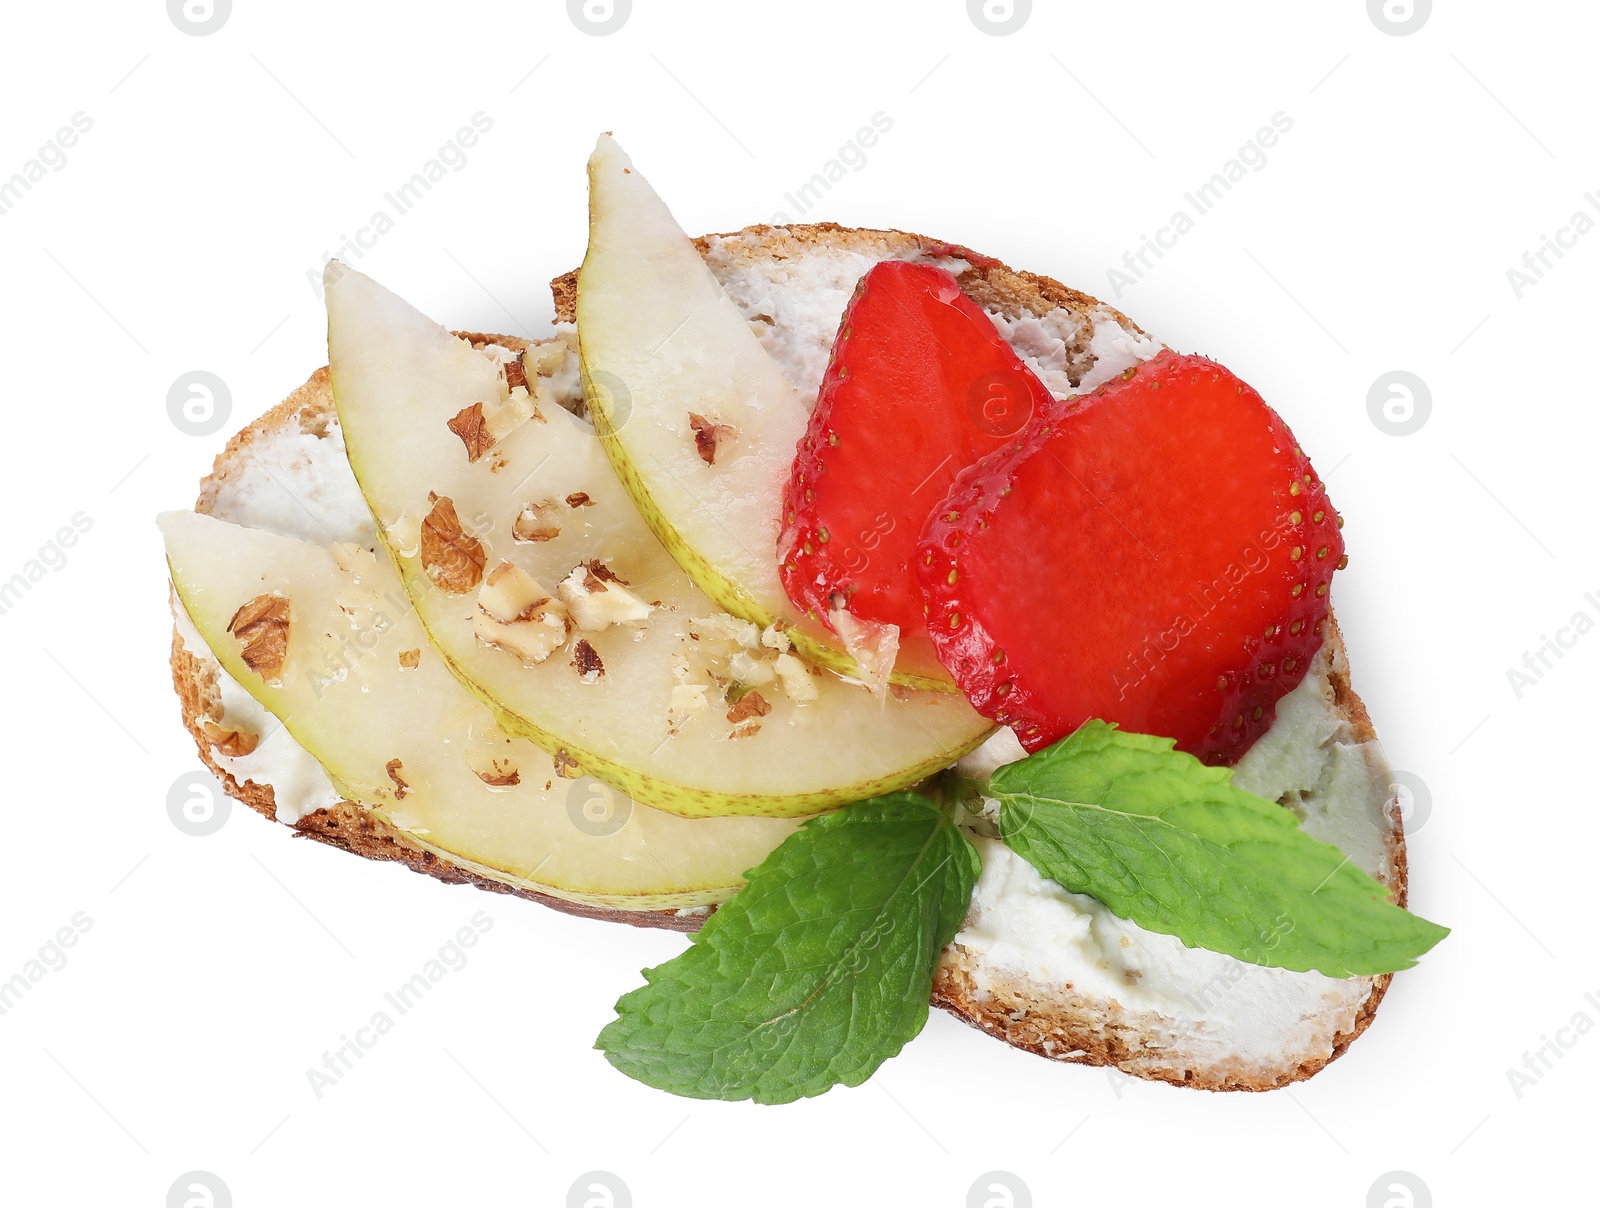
(518, 614)
(262, 627)
(587, 661)
(545, 357)
(401, 788)
(710, 437)
(751, 704)
(470, 425)
(232, 743)
(452, 558)
(501, 774)
(536, 522)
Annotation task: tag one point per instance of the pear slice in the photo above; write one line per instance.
(336, 654)
(698, 420)
(655, 691)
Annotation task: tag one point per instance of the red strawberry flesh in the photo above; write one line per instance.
(920, 386)
(1157, 555)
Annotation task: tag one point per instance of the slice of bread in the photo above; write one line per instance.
(1038, 968)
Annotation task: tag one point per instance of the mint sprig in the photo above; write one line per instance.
(1172, 845)
(813, 974)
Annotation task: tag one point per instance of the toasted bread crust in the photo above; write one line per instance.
(1061, 1027)
(1027, 1016)
(988, 282)
(346, 825)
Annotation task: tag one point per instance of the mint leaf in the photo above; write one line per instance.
(816, 972)
(1170, 844)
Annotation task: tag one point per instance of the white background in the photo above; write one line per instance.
(221, 168)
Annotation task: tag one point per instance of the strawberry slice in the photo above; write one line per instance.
(920, 386)
(1157, 556)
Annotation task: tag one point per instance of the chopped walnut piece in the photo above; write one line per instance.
(500, 774)
(516, 374)
(728, 627)
(262, 627)
(232, 743)
(566, 766)
(470, 425)
(751, 704)
(516, 409)
(797, 683)
(410, 658)
(510, 594)
(597, 600)
(401, 788)
(518, 614)
(710, 437)
(748, 670)
(545, 357)
(536, 522)
(587, 661)
(452, 557)
(579, 499)
(684, 700)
